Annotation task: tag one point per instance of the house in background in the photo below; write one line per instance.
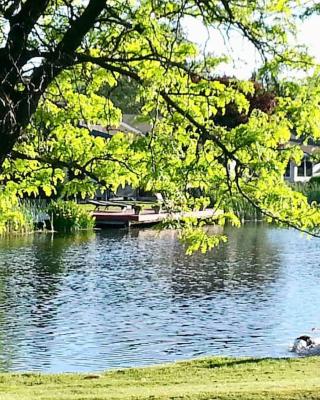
(132, 124)
(308, 168)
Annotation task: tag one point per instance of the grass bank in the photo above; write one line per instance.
(210, 378)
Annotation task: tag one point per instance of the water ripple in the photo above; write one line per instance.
(119, 299)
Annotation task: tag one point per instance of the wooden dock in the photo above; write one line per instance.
(147, 217)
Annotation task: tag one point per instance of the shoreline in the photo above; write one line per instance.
(207, 378)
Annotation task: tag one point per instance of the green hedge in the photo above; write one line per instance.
(69, 216)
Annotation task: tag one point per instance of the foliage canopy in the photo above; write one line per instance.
(59, 56)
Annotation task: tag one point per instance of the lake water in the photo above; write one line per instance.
(128, 298)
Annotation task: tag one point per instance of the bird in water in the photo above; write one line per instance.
(306, 345)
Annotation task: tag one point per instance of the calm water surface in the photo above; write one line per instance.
(120, 299)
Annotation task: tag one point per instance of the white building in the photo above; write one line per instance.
(307, 169)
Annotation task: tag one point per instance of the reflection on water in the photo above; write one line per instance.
(119, 298)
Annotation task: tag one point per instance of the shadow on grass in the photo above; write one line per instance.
(229, 362)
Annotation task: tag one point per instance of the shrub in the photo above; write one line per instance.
(314, 179)
(244, 210)
(69, 216)
(13, 217)
(310, 189)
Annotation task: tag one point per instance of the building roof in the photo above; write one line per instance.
(130, 124)
(308, 149)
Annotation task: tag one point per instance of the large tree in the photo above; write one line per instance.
(59, 56)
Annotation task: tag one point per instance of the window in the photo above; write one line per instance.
(287, 173)
(308, 168)
(305, 168)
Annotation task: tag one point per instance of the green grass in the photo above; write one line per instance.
(210, 378)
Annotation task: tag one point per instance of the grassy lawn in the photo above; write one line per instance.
(210, 378)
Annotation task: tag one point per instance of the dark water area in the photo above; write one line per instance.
(127, 298)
